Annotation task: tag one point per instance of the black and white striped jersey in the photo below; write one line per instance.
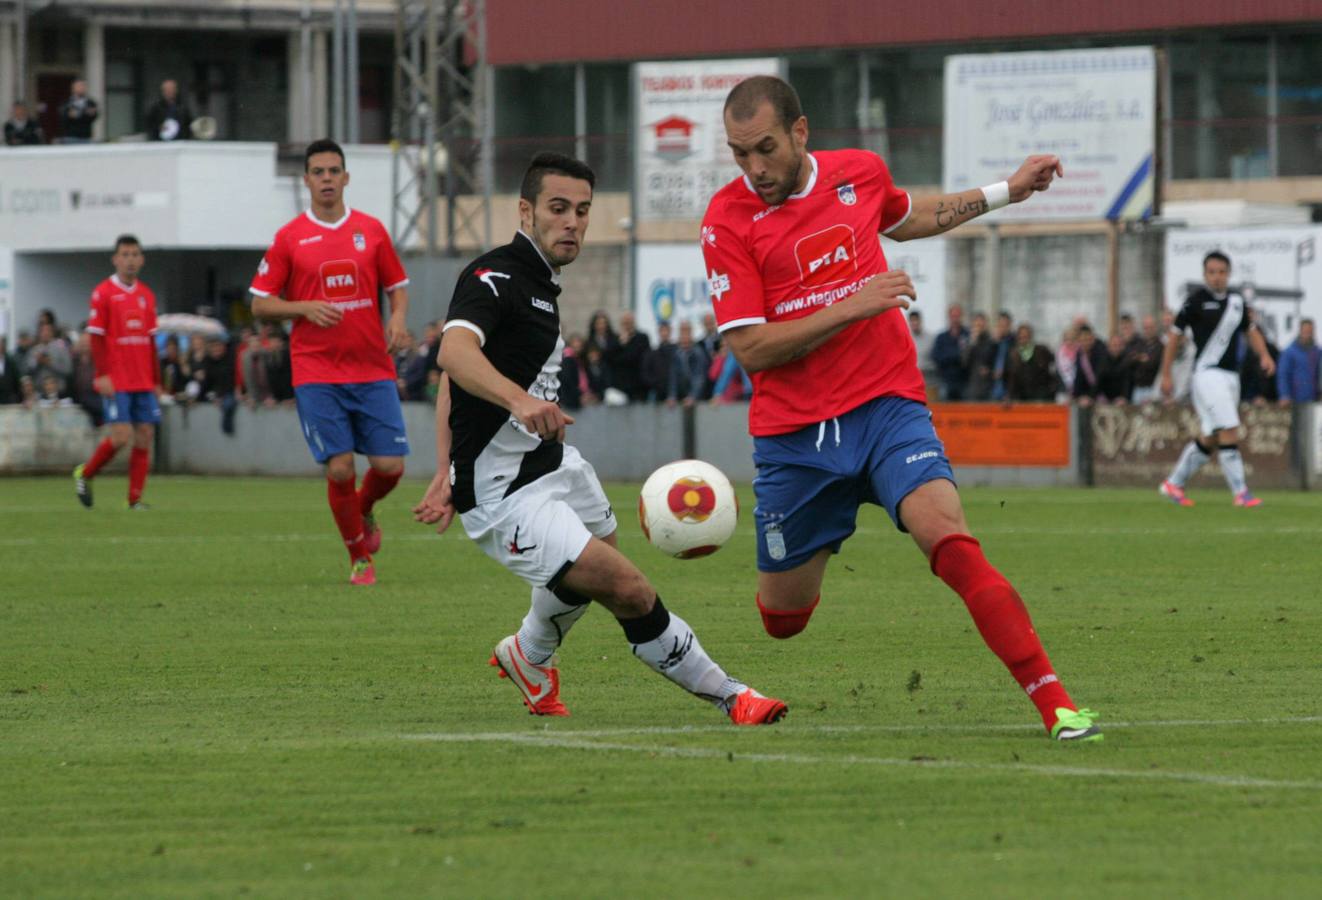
(507, 297)
(1217, 324)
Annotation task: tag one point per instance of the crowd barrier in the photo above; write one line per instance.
(991, 445)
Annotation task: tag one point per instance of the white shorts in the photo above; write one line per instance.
(1216, 399)
(539, 531)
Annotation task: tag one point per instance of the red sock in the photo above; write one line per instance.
(375, 486)
(785, 623)
(348, 517)
(1002, 620)
(104, 453)
(139, 460)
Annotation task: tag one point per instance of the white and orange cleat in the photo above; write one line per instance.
(1174, 493)
(751, 708)
(539, 685)
(362, 571)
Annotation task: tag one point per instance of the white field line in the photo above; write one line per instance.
(428, 535)
(571, 740)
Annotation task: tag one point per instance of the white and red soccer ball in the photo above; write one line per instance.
(688, 509)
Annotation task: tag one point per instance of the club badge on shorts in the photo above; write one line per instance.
(359, 242)
(846, 195)
(775, 542)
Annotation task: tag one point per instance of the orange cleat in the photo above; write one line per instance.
(539, 685)
(362, 571)
(371, 534)
(1174, 493)
(1247, 500)
(751, 708)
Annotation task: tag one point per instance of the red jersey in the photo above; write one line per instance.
(777, 263)
(344, 263)
(125, 317)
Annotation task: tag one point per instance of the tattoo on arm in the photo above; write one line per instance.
(961, 211)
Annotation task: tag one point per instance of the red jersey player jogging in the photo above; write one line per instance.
(122, 323)
(802, 294)
(323, 270)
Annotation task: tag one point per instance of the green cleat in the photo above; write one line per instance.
(1075, 725)
(82, 487)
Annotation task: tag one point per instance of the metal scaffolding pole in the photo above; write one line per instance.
(441, 127)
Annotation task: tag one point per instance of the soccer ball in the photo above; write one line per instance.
(688, 509)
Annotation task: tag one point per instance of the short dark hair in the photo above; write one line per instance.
(554, 164)
(127, 240)
(325, 145)
(1305, 321)
(1216, 254)
(1085, 329)
(744, 99)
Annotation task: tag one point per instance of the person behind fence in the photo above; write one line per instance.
(948, 356)
(980, 360)
(122, 323)
(730, 383)
(1030, 369)
(82, 383)
(711, 336)
(687, 383)
(1255, 386)
(50, 355)
(1117, 380)
(1182, 366)
(78, 114)
(922, 342)
(1143, 355)
(656, 367)
(169, 118)
(1217, 316)
(21, 129)
(11, 372)
(1297, 371)
(1005, 341)
(1091, 362)
(626, 361)
(601, 334)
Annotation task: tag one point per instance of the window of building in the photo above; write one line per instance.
(122, 114)
(1219, 110)
(1299, 104)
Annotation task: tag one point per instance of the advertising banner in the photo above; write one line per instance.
(1276, 269)
(1095, 109)
(1022, 435)
(680, 156)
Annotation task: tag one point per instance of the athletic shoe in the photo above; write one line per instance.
(1247, 500)
(362, 571)
(1174, 493)
(751, 708)
(371, 534)
(1075, 725)
(82, 487)
(539, 685)
(136, 506)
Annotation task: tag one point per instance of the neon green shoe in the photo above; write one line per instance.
(82, 487)
(1075, 725)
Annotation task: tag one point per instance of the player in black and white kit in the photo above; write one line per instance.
(531, 502)
(1219, 319)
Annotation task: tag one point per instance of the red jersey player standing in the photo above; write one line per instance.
(323, 270)
(122, 323)
(802, 294)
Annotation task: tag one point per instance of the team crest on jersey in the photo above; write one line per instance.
(826, 257)
(359, 242)
(845, 193)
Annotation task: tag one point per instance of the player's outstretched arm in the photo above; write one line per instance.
(938, 213)
(463, 360)
(771, 344)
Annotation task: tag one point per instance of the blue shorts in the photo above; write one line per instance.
(810, 483)
(131, 406)
(352, 418)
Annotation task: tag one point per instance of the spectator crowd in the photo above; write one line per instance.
(168, 118)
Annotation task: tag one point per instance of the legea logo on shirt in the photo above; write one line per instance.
(827, 256)
(339, 279)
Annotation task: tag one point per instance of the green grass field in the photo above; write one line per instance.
(193, 702)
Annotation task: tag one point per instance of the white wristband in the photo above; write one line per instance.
(997, 195)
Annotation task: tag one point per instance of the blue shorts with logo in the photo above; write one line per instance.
(361, 418)
(131, 407)
(810, 483)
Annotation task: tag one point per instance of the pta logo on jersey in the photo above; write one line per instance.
(339, 279)
(826, 257)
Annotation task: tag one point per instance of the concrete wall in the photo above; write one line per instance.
(51, 441)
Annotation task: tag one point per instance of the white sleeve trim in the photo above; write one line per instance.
(253, 290)
(396, 286)
(908, 212)
(93, 329)
(740, 323)
(464, 323)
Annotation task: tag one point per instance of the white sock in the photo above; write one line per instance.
(1232, 466)
(548, 620)
(1191, 460)
(676, 653)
